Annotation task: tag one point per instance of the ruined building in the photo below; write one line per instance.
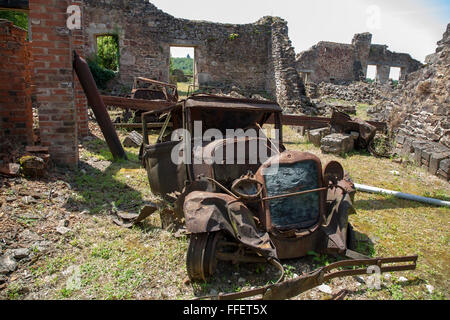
(341, 63)
(255, 57)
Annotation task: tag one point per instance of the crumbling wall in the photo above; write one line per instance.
(16, 117)
(343, 63)
(420, 116)
(257, 57)
(225, 54)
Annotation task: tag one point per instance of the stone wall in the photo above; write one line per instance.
(225, 54)
(420, 112)
(16, 118)
(343, 63)
(256, 58)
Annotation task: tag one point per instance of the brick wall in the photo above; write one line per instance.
(16, 119)
(52, 46)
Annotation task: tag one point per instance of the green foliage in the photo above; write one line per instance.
(101, 74)
(233, 36)
(108, 51)
(20, 19)
(184, 64)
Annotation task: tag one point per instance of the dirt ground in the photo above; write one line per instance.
(60, 232)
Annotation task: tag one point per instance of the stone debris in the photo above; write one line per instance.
(10, 169)
(325, 289)
(63, 230)
(33, 166)
(337, 143)
(7, 264)
(315, 136)
(20, 254)
(430, 288)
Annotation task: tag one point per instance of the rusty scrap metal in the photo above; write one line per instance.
(135, 104)
(155, 125)
(292, 288)
(169, 91)
(317, 122)
(95, 101)
(128, 220)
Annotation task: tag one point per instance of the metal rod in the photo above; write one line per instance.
(407, 196)
(293, 194)
(95, 101)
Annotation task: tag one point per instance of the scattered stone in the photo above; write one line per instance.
(42, 246)
(64, 223)
(3, 278)
(10, 169)
(337, 143)
(20, 254)
(387, 276)
(315, 136)
(402, 279)
(33, 166)
(63, 230)
(7, 264)
(241, 280)
(29, 200)
(28, 235)
(430, 288)
(325, 289)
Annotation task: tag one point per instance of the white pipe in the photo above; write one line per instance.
(401, 195)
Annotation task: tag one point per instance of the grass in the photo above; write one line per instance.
(183, 88)
(396, 226)
(147, 262)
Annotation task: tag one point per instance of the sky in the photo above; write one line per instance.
(411, 26)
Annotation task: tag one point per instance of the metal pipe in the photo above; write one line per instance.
(95, 101)
(401, 195)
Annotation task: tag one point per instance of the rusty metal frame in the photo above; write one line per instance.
(135, 104)
(318, 122)
(291, 288)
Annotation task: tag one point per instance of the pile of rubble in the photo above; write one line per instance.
(342, 135)
(362, 92)
(326, 109)
(31, 161)
(419, 114)
(425, 103)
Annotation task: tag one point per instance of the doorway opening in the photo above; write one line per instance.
(371, 72)
(394, 74)
(182, 68)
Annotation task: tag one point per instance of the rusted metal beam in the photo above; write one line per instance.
(95, 101)
(316, 122)
(14, 4)
(139, 125)
(135, 104)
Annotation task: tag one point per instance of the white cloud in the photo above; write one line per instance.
(411, 26)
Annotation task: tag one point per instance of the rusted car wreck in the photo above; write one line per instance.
(280, 205)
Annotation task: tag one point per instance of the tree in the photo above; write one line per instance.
(20, 19)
